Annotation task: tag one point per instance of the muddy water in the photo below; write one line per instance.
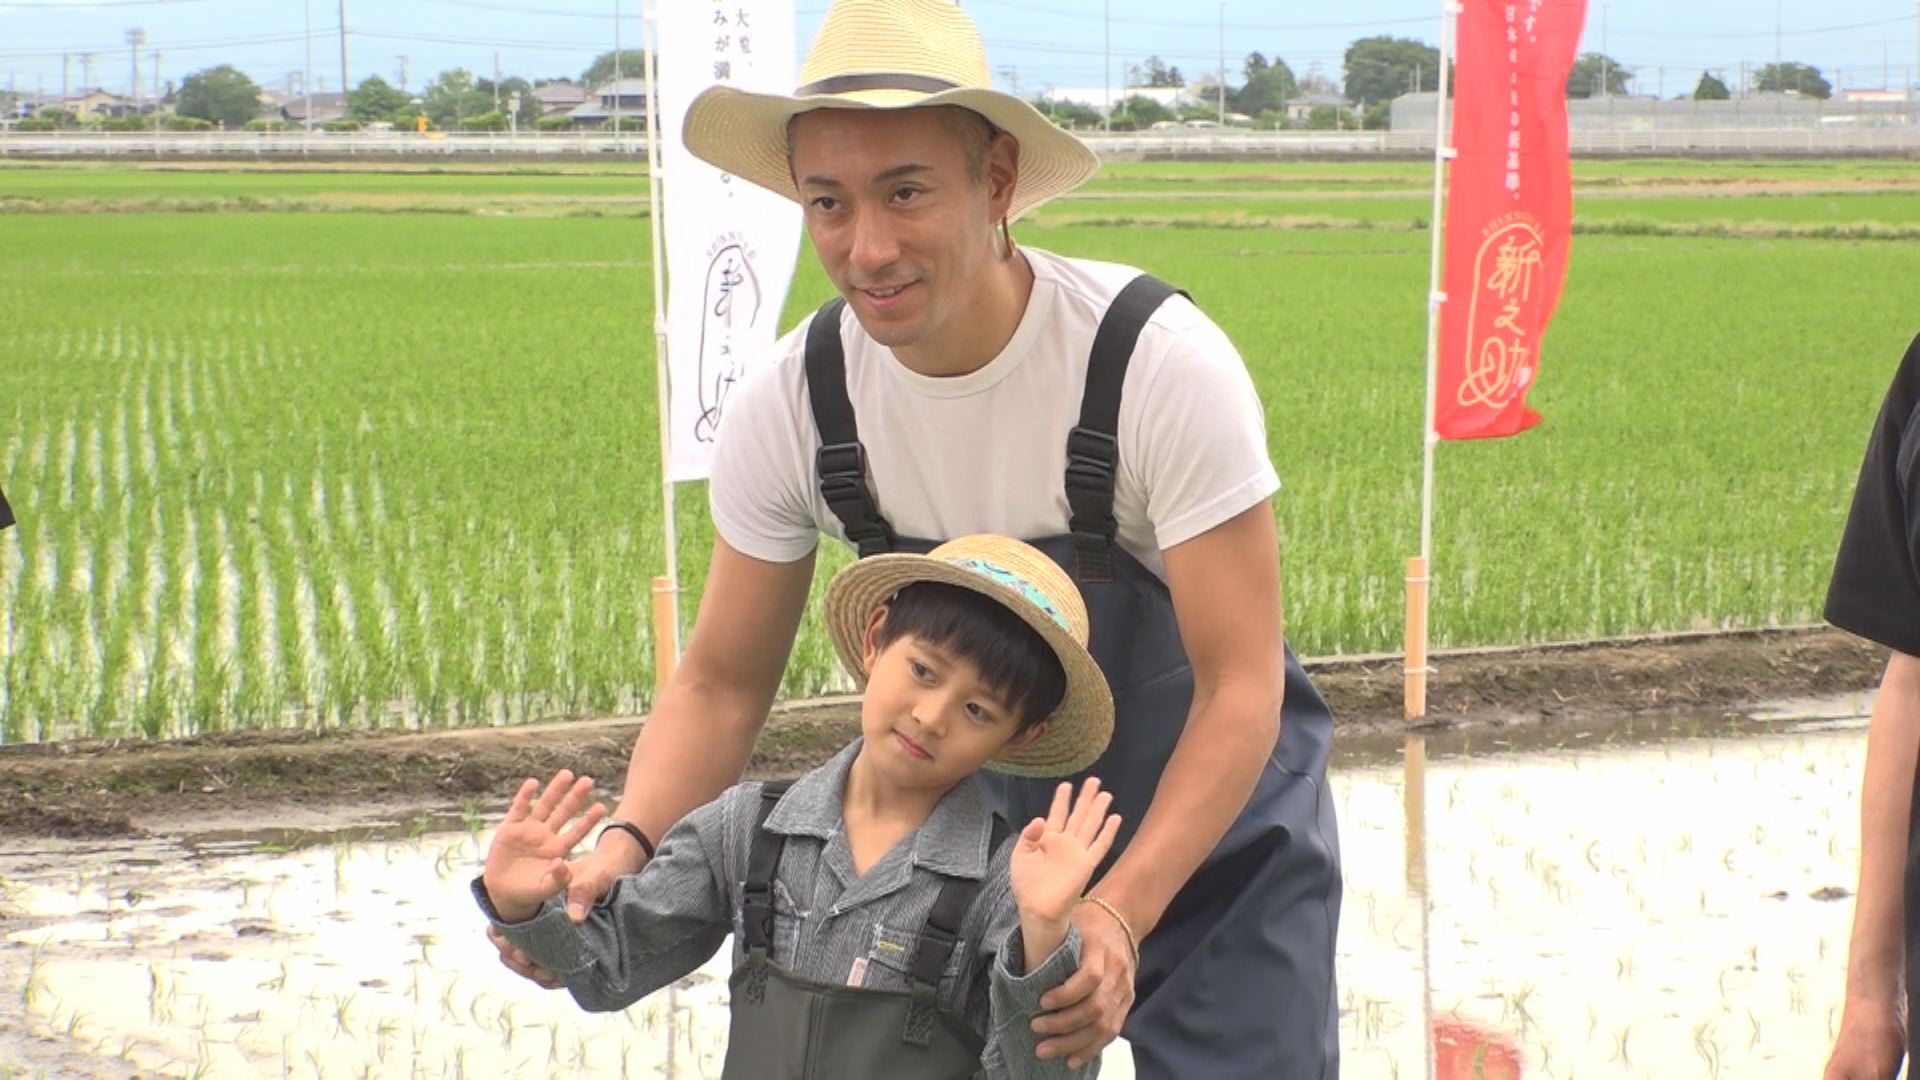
(1657, 909)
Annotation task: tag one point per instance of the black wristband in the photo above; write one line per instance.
(632, 830)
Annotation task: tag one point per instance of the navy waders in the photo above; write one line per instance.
(1237, 979)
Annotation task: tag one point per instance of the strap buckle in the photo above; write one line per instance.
(756, 915)
(846, 460)
(842, 471)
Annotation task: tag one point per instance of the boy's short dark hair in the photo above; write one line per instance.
(1012, 658)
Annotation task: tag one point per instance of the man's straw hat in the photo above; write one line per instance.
(1030, 585)
(884, 54)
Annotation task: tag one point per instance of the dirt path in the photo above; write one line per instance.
(105, 788)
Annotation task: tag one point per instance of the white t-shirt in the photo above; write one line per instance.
(987, 451)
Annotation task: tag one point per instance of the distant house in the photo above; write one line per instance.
(326, 108)
(1300, 108)
(629, 96)
(560, 97)
(89, 103)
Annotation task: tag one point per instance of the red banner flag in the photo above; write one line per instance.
(1509, 210)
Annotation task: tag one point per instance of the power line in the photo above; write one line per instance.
(23, 4)
(1770, 33)
(231, 43)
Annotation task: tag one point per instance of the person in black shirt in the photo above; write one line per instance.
(1875, 593)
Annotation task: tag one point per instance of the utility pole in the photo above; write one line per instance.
(616, 71)
(1606, 84)
(135, 38)
(1777, 4)
(306, 79)
(403, 74)
(496, 80)
(346, 84)
(156, 79)
(86, 70)
(1106, 64)
(66, 76)
(1223, 63)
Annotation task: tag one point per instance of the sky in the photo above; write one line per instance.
(1032, 44)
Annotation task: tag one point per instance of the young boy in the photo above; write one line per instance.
(882, 928)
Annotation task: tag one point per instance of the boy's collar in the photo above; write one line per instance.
(952, 841)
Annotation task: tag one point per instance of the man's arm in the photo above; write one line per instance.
(697, 739)
(1226, 595)
(1871, 1030)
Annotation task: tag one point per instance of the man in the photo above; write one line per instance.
(964, 385)
(1876, 593)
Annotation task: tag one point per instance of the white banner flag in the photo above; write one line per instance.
(730, 245)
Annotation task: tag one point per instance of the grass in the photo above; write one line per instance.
(398, 468)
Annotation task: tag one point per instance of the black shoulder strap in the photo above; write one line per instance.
(950, 907)
(6, 512)
(763, 859)
(1093, 448)
(841, 464)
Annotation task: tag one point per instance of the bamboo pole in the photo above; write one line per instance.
(666, 633)
(1416, 669)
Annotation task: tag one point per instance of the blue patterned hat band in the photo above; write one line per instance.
(1002, 576)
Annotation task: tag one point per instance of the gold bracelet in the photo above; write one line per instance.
(1133, 943)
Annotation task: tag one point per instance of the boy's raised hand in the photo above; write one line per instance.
(526, 864)
(1056, 855)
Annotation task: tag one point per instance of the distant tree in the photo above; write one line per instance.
(222, 94)
(61, 118)
(1378, 117)
(377, 99)
(529, 114)
(1382, 68)
(633, 64)
(1268, 86)
(1329, 117)
(1710, 88)
(452, 97)
(491, 121)
(1793, 78)
(1143, 111)
(1584, 80)
(1206, 109)
(1156, 73)
(1069, 114)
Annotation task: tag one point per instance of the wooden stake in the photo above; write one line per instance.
(1416, 669)
(666, 634)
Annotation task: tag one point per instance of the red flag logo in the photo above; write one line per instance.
(1509, 210)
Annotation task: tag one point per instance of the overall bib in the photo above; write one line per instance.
(1237, 979)
(785, 1027)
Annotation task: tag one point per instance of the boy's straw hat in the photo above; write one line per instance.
(884, 54)
(1033, 587)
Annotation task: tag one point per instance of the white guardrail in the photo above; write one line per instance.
(1201, 144)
